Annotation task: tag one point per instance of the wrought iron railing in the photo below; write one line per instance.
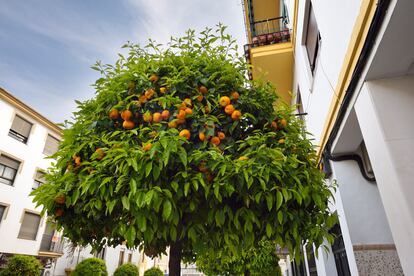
(51, 243)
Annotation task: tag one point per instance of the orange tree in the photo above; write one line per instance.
(178, 149)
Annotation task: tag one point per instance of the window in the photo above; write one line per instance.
(130, 258)
(29, 227)
(312, 38)
(38, 180)
(51, 145)
(101, 254)
(8, 170)
(20, 129)
(121, 257)
(2, 211)
(310, 255)
(338, 249)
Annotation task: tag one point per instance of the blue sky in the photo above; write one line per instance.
(48, 46)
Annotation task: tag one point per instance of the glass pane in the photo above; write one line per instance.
(29, 227)
(9, 173)
(5, 181)
(2, 208)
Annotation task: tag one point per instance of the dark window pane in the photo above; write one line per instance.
(312, 38)
(2, 209)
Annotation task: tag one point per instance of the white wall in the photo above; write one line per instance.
(385, 113)
(17, 196)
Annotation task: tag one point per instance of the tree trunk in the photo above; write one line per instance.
(174, 264)
(246, 272)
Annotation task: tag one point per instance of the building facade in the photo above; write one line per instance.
(349, 66)
(26, 139)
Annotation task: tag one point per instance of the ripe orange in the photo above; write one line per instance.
(236, 115)
(281, 141)
(59, 212)
(156, 117)
(60, 199)
(282, 123)
(200, 98)
(181, 114)
(149, 93)
(165, 114)
(188, 101)
(100, 153)
(273, 125)
(235, 95)
(185, 133)
(221, 135)
(224, 101)
(188, 111)
(163, 90)
(142, 99)
(202, 167)
(147, 117)
(201, 136)
(202, 89)
(207, 109)
(215, 141)
(243, 158)
(172, 124)
(113, 114)
(78, 161)
(128, 124)
(126, 115)
(180, 121)
(147, 147)
(229, 109)
(153, 78)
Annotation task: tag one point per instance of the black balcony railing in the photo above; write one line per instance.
(51, 243)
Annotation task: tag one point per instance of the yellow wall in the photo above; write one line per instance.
(274, 63)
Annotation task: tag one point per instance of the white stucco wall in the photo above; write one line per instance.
(385, 113)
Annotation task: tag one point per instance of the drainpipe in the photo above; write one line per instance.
(380, 11)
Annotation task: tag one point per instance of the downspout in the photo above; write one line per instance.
(379, 15)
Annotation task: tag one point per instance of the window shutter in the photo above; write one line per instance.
(2, 209)
(51, 146)
(312, 38)
(29, 227)
(21, 126)
(9, 162)
(40, 176)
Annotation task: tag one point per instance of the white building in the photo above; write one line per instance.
(350, 66)
(26, 138)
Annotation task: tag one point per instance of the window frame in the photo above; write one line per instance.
(44, 148)
(5, 211)
(36, 180)
(21, 224)
(5, 166)
(309, 13)
(18, 136)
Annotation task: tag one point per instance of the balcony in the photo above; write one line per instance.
(271, 54)
(51, 245)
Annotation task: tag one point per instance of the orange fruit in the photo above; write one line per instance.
(113, 114)
(128, 124)
(185, 133)
(210, 177)
(281, 141)
(156, 117)
(202, 167)
(153, 78)
(100, 153)
(172, 124)
(59, 212)
(215, 141)
(126, 115)
(207, 109)
(163, 90)
(147, 147)
(60, 199)
(235, 95)
(78, 160)
(224, 101)
(202, 89)
(200, 98)
(165, 114)
(142, 99)
(180, 121)
(149, 93)
(188, 102)
(242, 158)
(201, 136)
(221, 135)
(181, 114)
(282, 123)
(188, 111)
(147, 117)
(229, 109)
(273, 125)
(236, 115)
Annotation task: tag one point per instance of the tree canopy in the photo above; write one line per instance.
(178, 148)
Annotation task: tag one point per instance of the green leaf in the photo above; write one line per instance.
(174, 185)
(142, 223)
(186, 188)
(148, 169)
(125, 202)
(148, 197)
(269, 230)
(166, 209)
(279, 199)
(280, 217)
(133, 186)
(183, 156)
(269, 201)
(219, 217)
